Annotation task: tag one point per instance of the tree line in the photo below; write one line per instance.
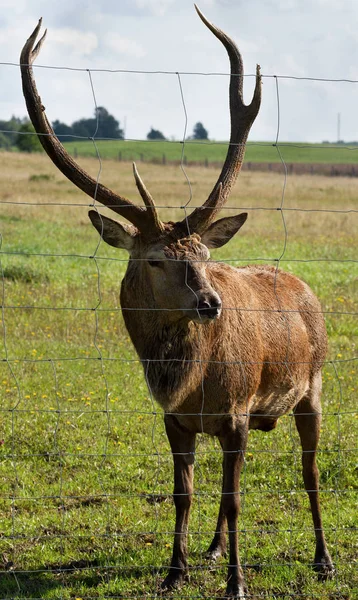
(20, 132)
(199, 133)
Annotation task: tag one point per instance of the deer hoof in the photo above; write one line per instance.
(173, 581)
(216, 549)
(214, 555)
(236, 591)
(324, 571)
(324, 567)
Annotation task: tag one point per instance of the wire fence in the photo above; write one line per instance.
(86, 470)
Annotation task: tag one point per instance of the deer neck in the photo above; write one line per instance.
(170, 351)
(152, 331)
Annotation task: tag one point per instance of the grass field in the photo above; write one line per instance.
(214, 152)
(85, 467)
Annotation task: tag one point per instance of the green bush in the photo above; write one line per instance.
(27, 140)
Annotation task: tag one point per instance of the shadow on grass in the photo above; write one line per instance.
(40, 582)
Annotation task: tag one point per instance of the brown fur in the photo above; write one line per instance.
(278, 352)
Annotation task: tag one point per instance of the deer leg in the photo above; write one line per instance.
(234, 446)
(217, 547)
(308, 422)
(182, 443)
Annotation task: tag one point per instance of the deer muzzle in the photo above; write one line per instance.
(208, 308)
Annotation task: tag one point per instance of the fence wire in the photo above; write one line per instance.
(86, 501)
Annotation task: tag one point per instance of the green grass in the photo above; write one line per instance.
(85, 466)
(215, 151)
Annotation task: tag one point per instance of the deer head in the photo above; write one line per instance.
(173, 256)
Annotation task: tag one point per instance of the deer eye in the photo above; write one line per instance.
(155, 263)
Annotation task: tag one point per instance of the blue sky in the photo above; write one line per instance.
(297, 38)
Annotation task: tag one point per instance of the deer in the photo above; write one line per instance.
(224, 349)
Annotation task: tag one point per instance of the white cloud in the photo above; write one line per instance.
(124, 46)
(291, 66)
(155, 7)
(79, 43)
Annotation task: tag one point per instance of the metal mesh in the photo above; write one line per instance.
(86, 473)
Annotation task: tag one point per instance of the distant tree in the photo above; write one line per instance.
(84, 128)
(108, 126)
(103, 125)
(4, 140)
(62, 130)
(11, 127)
(199, 132)
(155, 134)
(27, 140)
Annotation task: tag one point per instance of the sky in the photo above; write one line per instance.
(288, 38)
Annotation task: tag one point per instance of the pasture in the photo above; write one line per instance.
(86, 469)
(213, 151)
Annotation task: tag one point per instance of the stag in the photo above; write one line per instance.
(224, 349)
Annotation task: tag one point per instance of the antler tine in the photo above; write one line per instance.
(64, 162)
(242, 117)
(148, 200)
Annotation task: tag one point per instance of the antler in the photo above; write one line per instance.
(242, 117)
(145, 219)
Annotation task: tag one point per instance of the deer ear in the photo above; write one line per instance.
(119, 235)
(220, 232)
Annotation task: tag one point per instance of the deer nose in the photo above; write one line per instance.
(209, 308)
